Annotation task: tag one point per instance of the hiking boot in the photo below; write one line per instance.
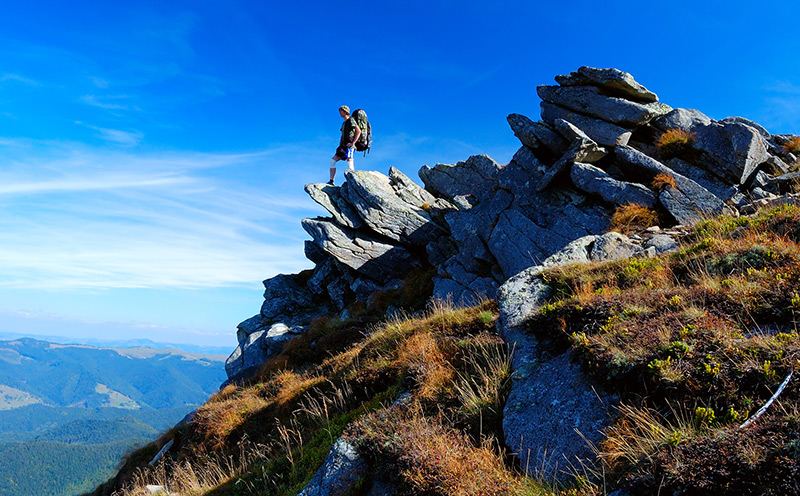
(331, 182)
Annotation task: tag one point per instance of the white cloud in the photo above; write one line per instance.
(99, 219)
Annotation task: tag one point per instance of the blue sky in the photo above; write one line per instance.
(153, 154)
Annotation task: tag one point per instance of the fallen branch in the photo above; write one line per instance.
(768, 403)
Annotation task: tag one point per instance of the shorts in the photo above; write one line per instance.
(344, 152)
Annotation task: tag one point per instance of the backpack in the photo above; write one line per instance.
(364, 142)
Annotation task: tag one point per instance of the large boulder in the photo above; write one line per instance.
(536, 135)
(553, 409)
(408, 191)
(342, 469)
(734, 150)
(602, 132)
(594, 180)
(365, 254)
(330, 197)
(372, 196)
(613, 81)
(518, 243)
(582, 150)
(683, 119)
(687, 201)
(257, 348)
(589, 100)
(475, 176)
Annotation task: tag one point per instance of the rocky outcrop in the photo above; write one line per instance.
(490, 230)
(341, 470)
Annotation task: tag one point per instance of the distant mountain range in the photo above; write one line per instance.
(83, 407)
(122, 343)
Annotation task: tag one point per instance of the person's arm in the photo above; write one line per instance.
(358, 135)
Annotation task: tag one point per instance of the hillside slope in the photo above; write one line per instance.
(612, 312)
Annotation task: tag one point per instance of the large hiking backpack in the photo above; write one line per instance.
(364, 143)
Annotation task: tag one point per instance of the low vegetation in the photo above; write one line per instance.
(631, 217)
(694, 343)
(674, 143)
(793, 145)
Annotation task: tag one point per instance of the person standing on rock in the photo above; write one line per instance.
(346, 149)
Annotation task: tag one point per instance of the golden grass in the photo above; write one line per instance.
(632, 217)
(673, 142)
(662, 181)
(793, 146)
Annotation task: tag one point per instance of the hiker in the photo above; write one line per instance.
(350, 134)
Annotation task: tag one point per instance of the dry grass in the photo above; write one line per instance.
(631, 217)
(433, 457)
(662, 181)
(793, 146)
(674, 142)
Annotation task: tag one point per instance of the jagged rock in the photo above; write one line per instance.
(314, 252)
(613, 81)
(285, 299)
(613, 246)
(550, 397)
(687, 201)
(162, 452)
(408, 191)
(330, 197)
(569, 131)
(786, 183)
(683, 119)
(747, 122)
(249, 326)
(583, 150)
(479, 220)
(518, 243)
(363, 288)
(259, 347)
(324, 274)
(602, 132)
(596, 181)
(735, 150)
(589, 100)
(535, 135)
(365, 254)
(719, 188)
(339, 292)
(372, 196)
(342, 469)
(522, 173)
(661, 243)
(476, 176)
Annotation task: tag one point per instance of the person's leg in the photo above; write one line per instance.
(333, 168)
(350, 165)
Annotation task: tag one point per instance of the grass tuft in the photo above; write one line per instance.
(674, 142)
(631, 217)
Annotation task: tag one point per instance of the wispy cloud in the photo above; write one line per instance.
(18, 79)
(782, 107)
(117, 136)
(99, 219)
(109, 102)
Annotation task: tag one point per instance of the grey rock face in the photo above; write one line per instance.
(518, 243)
(688, 201)
(365, 254)
(408, 191)
(602, 132)
(339, 473)
(613, 246)
(583, 150)
(614, 81)
(373, 197)
(476, 176)
(249, 326)
(716, 186)
(747, 122)
(257, 348)
(283, 298)
(734, 149)
(683, 119)
(535, 135)
(589, 100)
(569, 131)
(329, 197)
(596, 181)
(662, 243)
(550, 397)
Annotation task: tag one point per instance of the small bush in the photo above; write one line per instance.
(662, 181)
(793, 146)
(674, 142)
(631, 217)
